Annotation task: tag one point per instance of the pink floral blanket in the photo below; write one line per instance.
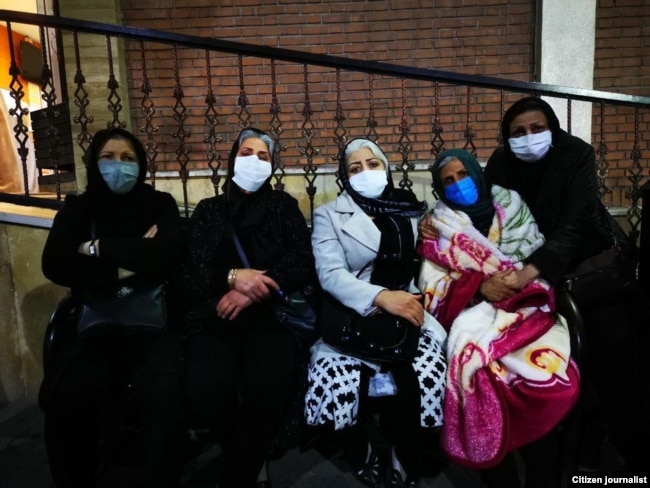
(510, 377)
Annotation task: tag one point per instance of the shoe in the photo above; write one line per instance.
(370, 473)
(396, 481)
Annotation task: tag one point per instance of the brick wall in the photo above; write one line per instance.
(622, 65)
(493, 38)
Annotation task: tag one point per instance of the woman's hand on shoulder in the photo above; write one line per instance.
(402, 304)
(426, 230)
(254, 283)
(231, 304)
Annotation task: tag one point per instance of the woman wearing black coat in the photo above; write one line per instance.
(118, 228)
(240, 360)
(555, 173)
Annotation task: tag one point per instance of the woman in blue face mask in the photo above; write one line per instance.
(120, 232)
(499, 395)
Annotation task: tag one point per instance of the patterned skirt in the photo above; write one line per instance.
(334, 383)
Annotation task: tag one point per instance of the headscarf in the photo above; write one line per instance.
(529, 175)
(392, 211)
(482, 212)
(393, 201)
(248, 211)
(528, 104)
(107, 205)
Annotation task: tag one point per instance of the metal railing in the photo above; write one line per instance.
(310, 104)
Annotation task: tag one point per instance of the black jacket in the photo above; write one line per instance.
(562, 194)
(121, 242)
(211, 252)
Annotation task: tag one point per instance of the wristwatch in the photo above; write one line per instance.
(92, 250)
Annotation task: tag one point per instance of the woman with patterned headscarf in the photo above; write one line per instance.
(364, 245)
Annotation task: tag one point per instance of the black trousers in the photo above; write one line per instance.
(616, 367)
(86, 406)
(399, 420)
(240, 380)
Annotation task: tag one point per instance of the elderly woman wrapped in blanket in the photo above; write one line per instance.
(510, 377)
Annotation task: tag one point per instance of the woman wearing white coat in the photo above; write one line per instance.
(370, 231)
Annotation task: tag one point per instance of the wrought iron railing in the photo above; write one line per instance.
(416, 112)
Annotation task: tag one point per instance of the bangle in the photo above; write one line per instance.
(232, 276)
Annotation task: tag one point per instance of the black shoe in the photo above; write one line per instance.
(370, 473)
(396, 481)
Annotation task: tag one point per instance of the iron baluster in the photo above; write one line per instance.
(180, 115)
(308, 132)
(81, 101)
(244, 112)
(276, 131)
(635, 175)
(372, 123)
(340, 134)
(469, 133)
(212, 138)
(114, 99)
(147, 108)
(21, 131)
(602, 165)
(437, 142)
(404, 145)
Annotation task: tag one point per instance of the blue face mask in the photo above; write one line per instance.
(463, 192)
(120, 176)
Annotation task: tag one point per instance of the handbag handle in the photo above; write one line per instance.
(238, 246)
(244, 258)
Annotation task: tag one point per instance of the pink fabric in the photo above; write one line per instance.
(510, 378)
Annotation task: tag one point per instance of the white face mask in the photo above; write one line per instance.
(369, 183)
(251, 172)
(532, 147)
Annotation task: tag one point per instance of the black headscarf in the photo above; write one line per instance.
(248, 211)
(529, 104)
(392, 211)
(482, 212)
(109, 207)
(530, 174)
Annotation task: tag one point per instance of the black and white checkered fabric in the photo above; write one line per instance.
(334, 382)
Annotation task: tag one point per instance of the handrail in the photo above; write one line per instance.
(301, 57)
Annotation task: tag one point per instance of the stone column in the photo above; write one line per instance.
(565, 56)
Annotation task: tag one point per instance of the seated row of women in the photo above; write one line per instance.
(492, 371)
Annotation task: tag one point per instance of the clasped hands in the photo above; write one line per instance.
(500, 286)
(250, 285)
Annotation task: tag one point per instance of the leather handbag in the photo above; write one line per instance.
(607, 276)
(378, 337)
(126, 309)
(296, 311)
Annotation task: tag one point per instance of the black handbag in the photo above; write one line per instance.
(378, 337)
(128, 308)
(607, 276)
(297, 311)
(125, 309)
